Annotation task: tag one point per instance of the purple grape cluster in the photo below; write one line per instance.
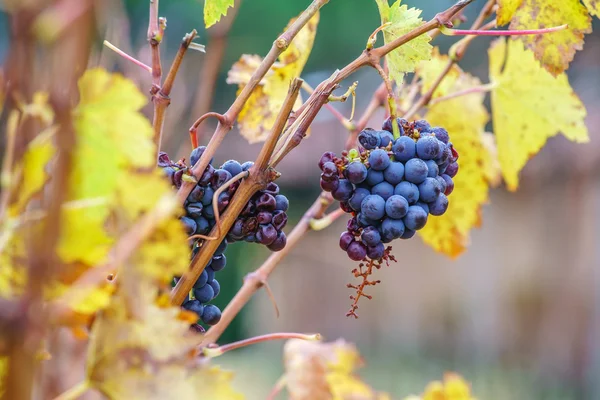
(262, 221)
(390, 186)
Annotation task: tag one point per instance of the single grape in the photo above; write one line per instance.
(343, 191)
(237, 230)
(222, 247)
(211, 273)
(427, 148)
(194, 306)
(404, 148)
(220, 177)
(373, 207)
(266, 234)
(393, 228)
(376, 252)
(247, 165)
(196, 194)
(223, 201)
(206, 175)
(429, 190)
(232, 166)
(202, 226)
(249, 209)
(369, 139)
(208, 195)
(189, 225)
(330, 169)
(251, 238)
(396, 207)
(357, 198)
(442, 183)
(452, 170)
(352, 225)
(432, 168)
(266, 202)
(379, 159)
(279, 219)
(356, 172)
(394, 173)
(211, 314)
(374, 177)
(196, 154)
(357, 251)
(415, 170)
(408, 233)
(439, 205)
(385, 138)
(422, 125)
(424, 206)
(216, 287)
(370, 236)
(415, 218)
(345, 239)
(449, 184)
(204, 294)
(209, 212)
(408, 190)
(281, 203)
(329, 186)
(383, 189)
(264, 217)
(364, 222)
(202, 279)
(218, 262)
(387, 125)
(441, 134)
(326, 157)
(279, 243)
(194, 210)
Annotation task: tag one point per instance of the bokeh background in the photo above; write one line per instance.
(518, 314)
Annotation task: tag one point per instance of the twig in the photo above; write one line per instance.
(475, 89)
(194, 128)
(156, 30)
(390, 90)
(218, 351)
(338, 115)
(127, 56)
(378, 100)
(508, 32)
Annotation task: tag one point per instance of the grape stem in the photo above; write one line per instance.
(127, 56)
(325, 221)
(220, 350)
(479, 32)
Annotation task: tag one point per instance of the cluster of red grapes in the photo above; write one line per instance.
(390, 185)
(262, 221)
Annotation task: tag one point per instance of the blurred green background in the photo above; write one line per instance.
(518, 314)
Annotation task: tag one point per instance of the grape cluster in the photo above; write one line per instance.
(261, 221)
(390, 186)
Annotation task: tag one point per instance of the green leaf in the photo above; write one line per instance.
(214, 10)
(408, 56)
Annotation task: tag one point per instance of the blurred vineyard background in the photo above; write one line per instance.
(518, 314)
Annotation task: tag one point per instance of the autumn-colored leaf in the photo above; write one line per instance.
(401, 20)
(430, 70)
(316, 370)
(214, 10)
(465, 118)
(3, 371)
(260, 111)
(593, 7)
(454, 387)
(554, 50)
(506, 10)
(529, 105)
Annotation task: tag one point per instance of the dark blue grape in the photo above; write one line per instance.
(364, 222)
(415, 218)
(237, 230)
(370, 236)
(189, 225)
(279, 243)
(343, 191)
(415, 170)
(208, 195)
(452, 170)
(379, 159)
(424, 206)
(404, 148)
(247, 165)
(374, 177)
(442, 183)
(279, 219)
(449, 184)
(383, 189)
(357, 251)
(439, 205)
(422, 125)
(211, 273)
(356, 172)
(223, 201)
(376, 252)
(211, 314)
(202, 226)
(209, 212)
(204, 294)
(345, 239)
(329, 186)
(233, 167)
(266, 234)
(194, 210)
(326, 157)
(429, 190)
(222, 247)
(218, 262)
(220, 177)
(394, 173)
(216, 287)
(432, 168)
(369, 139)
(396, 207)
(385, 138)
(266, 202)
(264, 217)
(441, 134)
(408, 190)
(251, 238)
(357, 198)
(194, 306)
(196, 194)
(206, 175)
(202, 279)
(408, 233)
(373, 207)
(387, 125)
(352, 225)
(281, 203)
(393, 228)
(196, 154)
(427, 148)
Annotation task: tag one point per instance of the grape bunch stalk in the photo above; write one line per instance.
(390, 186)
(261, 221)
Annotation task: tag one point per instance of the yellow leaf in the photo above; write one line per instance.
(214, 10)
(464, 118)
(506, 10)
(408, 56)
(3, 372)
(454, 387)
(315, 370)
(554, 50)
(592, 5)
(529, 105)
(430, 70)
(260, 111)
